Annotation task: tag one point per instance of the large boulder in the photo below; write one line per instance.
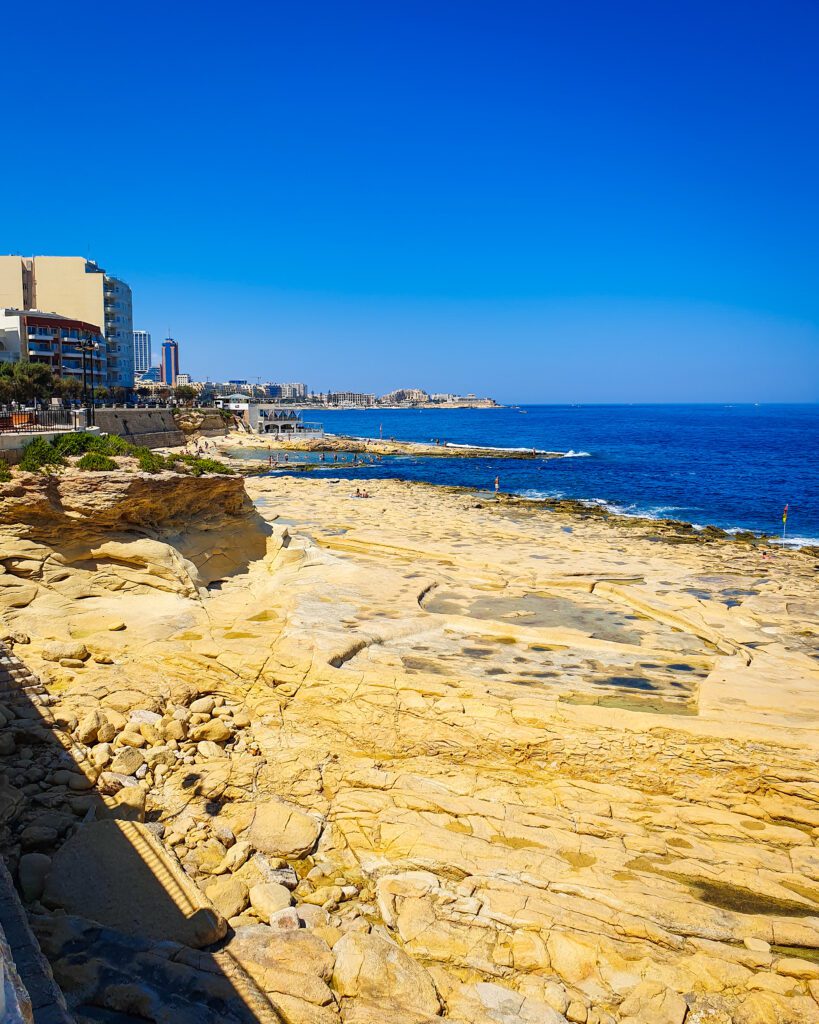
(118, 874)
(282, 829)
(228, 895)
(11, 800)
(371, 969)
(267, 898)
(32, 873)
(58, 650)
(298, 951)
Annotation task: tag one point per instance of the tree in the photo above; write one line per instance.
(164, 394)
(6, 383)
(26, 382)
(100, 394)
(67, 387)
(185, 393)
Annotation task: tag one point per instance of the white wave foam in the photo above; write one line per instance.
(496, 448)
(570, 454)
(536, 495)
(776, 541)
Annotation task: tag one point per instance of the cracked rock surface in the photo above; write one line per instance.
(417, 757)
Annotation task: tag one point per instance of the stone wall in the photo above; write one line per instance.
(153, 428)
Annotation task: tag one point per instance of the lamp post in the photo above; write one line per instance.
(87, 346)
(81, 347)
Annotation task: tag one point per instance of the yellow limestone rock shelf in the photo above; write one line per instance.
(529, 765)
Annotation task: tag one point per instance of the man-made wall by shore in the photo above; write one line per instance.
(153, 428)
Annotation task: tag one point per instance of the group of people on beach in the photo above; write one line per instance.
(356, 460)
(198, 447)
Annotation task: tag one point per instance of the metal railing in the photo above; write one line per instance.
(38, 421)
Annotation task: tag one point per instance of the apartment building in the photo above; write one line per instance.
(59, 342)
(354, 398)
(292, 391)
(77, 289)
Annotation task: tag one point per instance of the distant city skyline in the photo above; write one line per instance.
(538, 202)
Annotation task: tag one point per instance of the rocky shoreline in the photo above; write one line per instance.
(675, 531)
(412, 758)
(373, 446)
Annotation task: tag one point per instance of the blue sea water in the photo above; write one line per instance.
(730, 466)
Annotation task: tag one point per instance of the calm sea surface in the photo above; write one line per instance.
(731, 466)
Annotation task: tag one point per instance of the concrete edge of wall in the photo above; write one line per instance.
(28, 984)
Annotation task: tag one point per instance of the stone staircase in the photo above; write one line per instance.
(17, 680)
(27, 988)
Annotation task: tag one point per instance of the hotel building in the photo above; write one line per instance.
(77, 289)
(142, 351)
(169, 362)
(353, 398)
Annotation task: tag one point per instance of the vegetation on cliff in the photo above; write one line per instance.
(97, 453)
(96, 462)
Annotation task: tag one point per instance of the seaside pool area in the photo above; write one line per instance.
(576, 647)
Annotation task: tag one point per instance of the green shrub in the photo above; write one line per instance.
(80, 443)
(197, 466)
(75, 443)
(150, 462)
(40, 454)
(96, 462)
(5, 472)
(113, 444)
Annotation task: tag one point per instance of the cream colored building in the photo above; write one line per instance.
(80, 289)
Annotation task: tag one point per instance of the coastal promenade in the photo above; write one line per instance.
(425, 755)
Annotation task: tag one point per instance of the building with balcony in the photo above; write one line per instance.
(169, 362)
(142, 352)
(268, 418)
(151, 376)
(352, 399)
(294, 392)
(78, 289)
(56, 341)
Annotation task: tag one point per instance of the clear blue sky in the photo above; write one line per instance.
(576, 201)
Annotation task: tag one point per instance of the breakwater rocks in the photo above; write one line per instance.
(372, 446)
(331, 761)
